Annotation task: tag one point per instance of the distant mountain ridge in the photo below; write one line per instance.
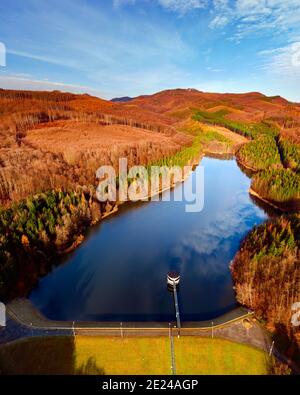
(123, 99)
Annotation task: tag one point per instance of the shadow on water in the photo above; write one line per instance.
(248, 172)
(270, 211)
(123, 209)
(219, 156)
(45, 356)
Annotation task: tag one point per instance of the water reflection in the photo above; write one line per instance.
(119, 273)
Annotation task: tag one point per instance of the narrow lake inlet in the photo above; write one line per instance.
(119, 272)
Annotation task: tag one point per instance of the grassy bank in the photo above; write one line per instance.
(204, 138)
(259, 154)
(250, 130)
(276, 160)
(182, 157)
(276, 163)
(281, 186)
(99, 355)
(34, 231)
(290, 153)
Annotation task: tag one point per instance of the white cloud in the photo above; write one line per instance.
(284, 61)
(42, 58)
(17, 81)
(220, 4)
(257, 16)
(296, 54)
(219, 21)
(214, 70)
(2, 54)
(182, 6)
(249, 16)
(250, 7)
(95, 56)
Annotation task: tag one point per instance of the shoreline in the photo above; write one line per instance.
(195, 162)
(246, 166)
(80, 238)
(255, 194)
(268, 202)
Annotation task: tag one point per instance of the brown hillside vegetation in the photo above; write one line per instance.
(58, 140)
(266, 271)
(246, 108)
(53, 139)
(251, 106)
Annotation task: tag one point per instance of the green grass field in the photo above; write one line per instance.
(196, 355)
(104, 355)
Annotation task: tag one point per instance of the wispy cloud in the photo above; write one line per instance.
(19, 81)
(40, 57)
(219, 21)
(284, 61)
(214, 70)
(249, 16)
(99, 48)
(183, 6)
(180, 6)
(252, 17)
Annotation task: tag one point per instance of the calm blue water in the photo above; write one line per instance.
(119, 272)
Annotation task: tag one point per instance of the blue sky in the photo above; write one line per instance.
(114, 48)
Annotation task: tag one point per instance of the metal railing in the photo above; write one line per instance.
(176, 309)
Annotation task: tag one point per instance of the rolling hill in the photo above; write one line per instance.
(66, 137)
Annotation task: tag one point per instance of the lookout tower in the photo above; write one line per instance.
(173, 279)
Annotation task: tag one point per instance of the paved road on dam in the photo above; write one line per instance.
(24, 321)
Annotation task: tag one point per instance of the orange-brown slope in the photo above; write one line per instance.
(251, 106)
(54, 139)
